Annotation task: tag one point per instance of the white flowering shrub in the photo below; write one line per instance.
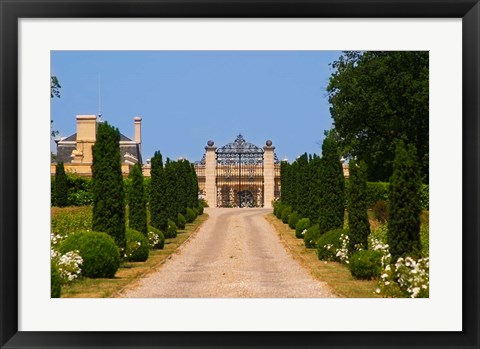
(156, 239)
(100, 254)
(342, 252)
(407, 277)
(413, 276)
(55, 238)
(153, 239)
(68, 264)
(138, 246)
(332, 246)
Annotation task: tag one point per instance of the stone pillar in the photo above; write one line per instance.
(268, 174)
(210, 174)
(138, 131)
(86, 136)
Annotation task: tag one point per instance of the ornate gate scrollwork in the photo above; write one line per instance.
(239, 174)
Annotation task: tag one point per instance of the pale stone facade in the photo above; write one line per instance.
(75, 151)
(239, 174)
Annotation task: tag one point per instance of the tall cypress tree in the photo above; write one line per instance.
(284, 182)
(184, 182)
(301, 204)
(158, 213)
(332, 185)
(171, 192)
(137, 203)
(404, 203)
(194, 185)
(61, 186)
(107, 185)
(314, 183)
(357, 207)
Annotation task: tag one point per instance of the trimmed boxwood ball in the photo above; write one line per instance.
(55, 281)
(311, 236)
(276, 207)
(328, 244)
(190, 215)
(286, 212)
(366, 264)
(100, 254)
(137, 246)
(280, 210)
(293, 219)
(200, 209)
(171, 230)
(301, 225)
(161, 238)
(181, 221)
(195, 210)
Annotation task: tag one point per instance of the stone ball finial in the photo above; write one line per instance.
(268, 143)
(210, 143)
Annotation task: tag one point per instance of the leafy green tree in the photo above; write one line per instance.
(332, 185)
(107, 185)
(61, 186)
(404, 203)
(137, 203)
(377, 98)
(158, 201)
(357, 207)
(54, 87)
(54, 92)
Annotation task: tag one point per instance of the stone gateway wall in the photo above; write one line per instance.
(239, 174)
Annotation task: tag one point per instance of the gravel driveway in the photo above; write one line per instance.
(235, 254)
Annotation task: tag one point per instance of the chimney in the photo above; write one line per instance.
(86, 136)
(138, 129)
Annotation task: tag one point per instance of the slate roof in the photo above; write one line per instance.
(64, 151)
(73, 138)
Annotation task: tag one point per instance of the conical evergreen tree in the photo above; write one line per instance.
(181, 182)
(314, 184)
(404, 203)
(357, 207)
(158, 202)
(61, 186)
(137, 203)
(194, 186)
(331, 189)
(107, 185)
(284, 182)
(172, 189)
(301, 186)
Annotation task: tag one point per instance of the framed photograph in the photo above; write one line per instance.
(36, 34)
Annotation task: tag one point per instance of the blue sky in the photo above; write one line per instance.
(188, 97)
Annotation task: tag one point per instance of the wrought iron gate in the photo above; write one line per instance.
(239, 174)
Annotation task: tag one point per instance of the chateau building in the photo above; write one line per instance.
(239, 174)
(75, 151)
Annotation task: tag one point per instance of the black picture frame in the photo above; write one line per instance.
(11, 11)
